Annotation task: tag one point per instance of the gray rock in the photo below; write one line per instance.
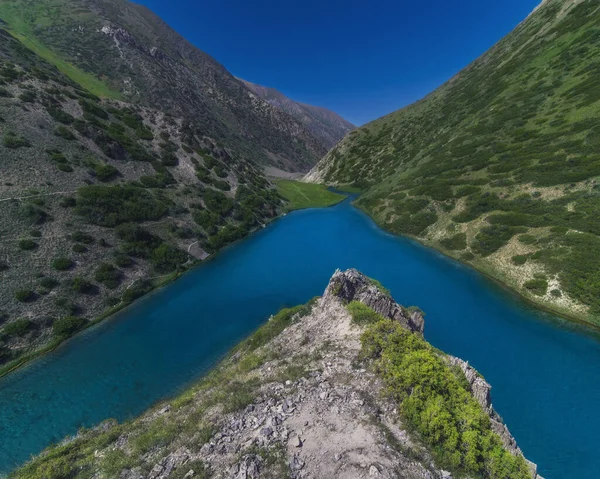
(248, 468)
(351, 285)
(296, 463)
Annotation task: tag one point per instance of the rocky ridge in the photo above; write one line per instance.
(316, 411)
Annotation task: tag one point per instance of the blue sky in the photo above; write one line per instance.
(359, 59)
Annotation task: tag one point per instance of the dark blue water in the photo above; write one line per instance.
(545, 373)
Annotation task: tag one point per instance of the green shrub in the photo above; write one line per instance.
(136, 291)
(68, 202)
(113, 205)
(527, 239)
(63, 132)
(169, 159)
(13, 141)
(27, 244)
(167, 258)
(491, 239)
(19, 327)
(49, 283)
(363, 314)
(82, 237)
(28, 96)
(217, 202)
(435, 402)
(105, 172)
(60, 115)
(65, 168)
(79, 248)
(25, 296)
(93, 109)
(123, 260)
(537, 286)
(520, 259)
(81, 285)
(66, 305)
(108, 275)
(62, 263)
(67, 326)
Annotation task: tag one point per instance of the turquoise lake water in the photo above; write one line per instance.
(545, 373)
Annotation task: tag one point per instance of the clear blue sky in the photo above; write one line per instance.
(361, 59)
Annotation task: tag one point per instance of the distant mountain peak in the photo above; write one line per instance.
(324, 124)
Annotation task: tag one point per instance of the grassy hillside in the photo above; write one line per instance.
(101, 201)
(499, 167)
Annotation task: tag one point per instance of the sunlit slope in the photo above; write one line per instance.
(499, 166)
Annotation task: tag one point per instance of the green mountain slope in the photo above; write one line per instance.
(102, 200)
(119, 49)
(499, 167)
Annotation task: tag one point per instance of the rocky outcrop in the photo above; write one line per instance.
(316, 410)
(481, 391)
(351, 285)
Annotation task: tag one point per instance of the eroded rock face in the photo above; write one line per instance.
(352, 285)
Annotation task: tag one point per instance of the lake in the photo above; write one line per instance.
(545, 372)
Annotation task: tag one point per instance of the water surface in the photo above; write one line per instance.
(545, 373)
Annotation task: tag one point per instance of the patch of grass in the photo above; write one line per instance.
(306, 195)
(21, 31)
(363, 314)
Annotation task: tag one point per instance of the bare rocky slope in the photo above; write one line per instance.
(304, 397)
(323, 123)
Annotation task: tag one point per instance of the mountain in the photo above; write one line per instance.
(344, 386)
(128, 156)
(103, 200)
(499, 167)
(322, 123)
(122, 50)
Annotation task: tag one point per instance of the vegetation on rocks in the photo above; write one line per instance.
(273, 402)
(500, 162)
(437, 405)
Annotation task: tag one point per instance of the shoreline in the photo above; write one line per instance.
(111, 313)
(350, 195)
(487, 273)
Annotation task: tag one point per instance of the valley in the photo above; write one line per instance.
(195, 267)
